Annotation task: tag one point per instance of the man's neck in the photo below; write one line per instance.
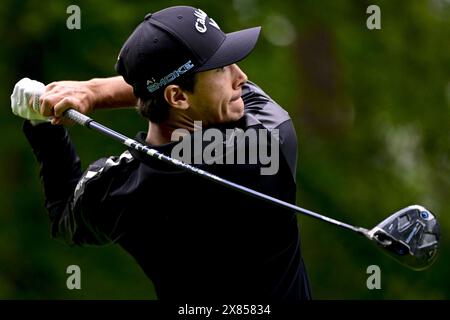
(162, 133)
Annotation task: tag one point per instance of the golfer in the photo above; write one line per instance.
(196, 240)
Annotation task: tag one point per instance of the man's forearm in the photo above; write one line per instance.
(111, 92)
(85, 96)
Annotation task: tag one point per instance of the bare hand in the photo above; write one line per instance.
(62, 95)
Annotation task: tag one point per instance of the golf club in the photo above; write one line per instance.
(410, 235)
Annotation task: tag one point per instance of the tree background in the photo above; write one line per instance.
(371, 109)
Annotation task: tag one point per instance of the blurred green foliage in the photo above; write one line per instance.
(371, 109)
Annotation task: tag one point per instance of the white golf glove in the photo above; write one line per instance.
(26, 91)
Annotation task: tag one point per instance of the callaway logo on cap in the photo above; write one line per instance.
(175, 41)
(200, 24)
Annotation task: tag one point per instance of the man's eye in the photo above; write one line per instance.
(221, 69)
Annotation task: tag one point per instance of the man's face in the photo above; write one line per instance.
(217, 95)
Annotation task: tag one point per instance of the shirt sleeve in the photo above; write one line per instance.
(262, 110)
(80, 210)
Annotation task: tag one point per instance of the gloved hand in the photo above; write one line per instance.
(25, 100)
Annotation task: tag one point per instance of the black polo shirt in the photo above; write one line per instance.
(196, 240)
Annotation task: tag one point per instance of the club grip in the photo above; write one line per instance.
(77, 117)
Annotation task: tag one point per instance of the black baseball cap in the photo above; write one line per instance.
(176, 41)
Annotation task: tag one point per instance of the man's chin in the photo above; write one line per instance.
(239, 115)
(236, 110)
(235, 116)
(234, 113)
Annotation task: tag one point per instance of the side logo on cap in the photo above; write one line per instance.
(152, 86)
(200, 23)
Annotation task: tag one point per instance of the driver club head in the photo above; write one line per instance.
(410, 236)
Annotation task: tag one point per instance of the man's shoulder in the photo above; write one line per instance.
(261, 109)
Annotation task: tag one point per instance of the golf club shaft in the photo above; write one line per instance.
(84, 120)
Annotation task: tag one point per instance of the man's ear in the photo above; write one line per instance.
(176, 97)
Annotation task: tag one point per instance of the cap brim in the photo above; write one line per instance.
(236, 46)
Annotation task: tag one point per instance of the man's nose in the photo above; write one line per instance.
(239, 76)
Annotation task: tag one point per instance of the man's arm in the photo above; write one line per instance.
(85, 96)
(80, 208)
(60, 166)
